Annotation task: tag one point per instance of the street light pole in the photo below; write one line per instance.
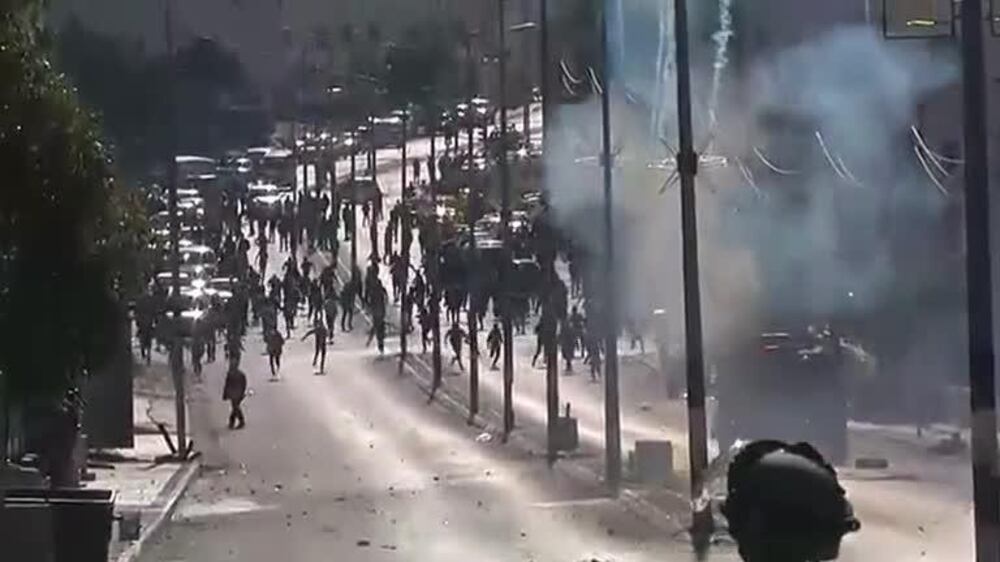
(687, 165)
(612, 414)
(352, 190)
(979, 288)
(505, 214)
(176, 353)
(435, 267)
(551, 351)
(373, 212)
(472, 211)
(404, 219)
(526, 62)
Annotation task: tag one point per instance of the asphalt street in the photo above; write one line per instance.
(357, 465)
(918, 510)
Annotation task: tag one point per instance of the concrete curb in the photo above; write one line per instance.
(168, 499)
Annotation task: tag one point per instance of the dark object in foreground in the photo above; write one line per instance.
(786, 505)
(75, 524)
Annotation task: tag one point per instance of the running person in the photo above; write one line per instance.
(319, 332)
(456, 335)
(495, 342)
(275, 343)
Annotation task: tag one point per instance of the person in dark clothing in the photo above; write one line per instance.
(291, 306)
(275, 344)
(262, 253)
(592, 347)
(326, 279)
(197, 351)
(567, 345)
(418, 291)
(315, 299)
(348, 296)
(378, 299)
(306, 267)
(456, 335)
(397, 268)
(347, 216)
(319, 332)
(371, 278)
(145, 326)
(234, 343)
(494, 341)
(330, 312)
(545, 334)
(426, 326)
(234, 390)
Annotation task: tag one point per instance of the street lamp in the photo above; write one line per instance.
(471, 213)
(687, 166)
(505, 217)
(407, 233)
(176, 354)
(979, 284)
(612, 410)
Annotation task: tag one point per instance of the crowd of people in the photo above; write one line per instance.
(306, 290)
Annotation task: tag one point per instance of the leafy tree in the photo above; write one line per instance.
(70, 237)
(423, 68)
(130, 92)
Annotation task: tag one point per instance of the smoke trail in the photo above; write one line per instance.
(658, 84)
(721, 39)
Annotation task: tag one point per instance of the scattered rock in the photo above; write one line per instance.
(437, 478)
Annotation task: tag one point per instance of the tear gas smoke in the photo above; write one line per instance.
(854, 233)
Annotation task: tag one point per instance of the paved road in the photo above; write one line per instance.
(921, 509)
(357, 465)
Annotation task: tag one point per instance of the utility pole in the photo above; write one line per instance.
(404, 222)
(373, 212)
(297, 158)
(979, 288)
(176, 352)
(352, 191)
(505, 213)
(472, 214)
(435, 281)
(687, 166)
(525, 71)
(612, 413)
(551, 351)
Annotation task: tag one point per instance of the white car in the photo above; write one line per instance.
(198, 261)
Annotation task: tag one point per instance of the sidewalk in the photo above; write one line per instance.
(147, 491)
